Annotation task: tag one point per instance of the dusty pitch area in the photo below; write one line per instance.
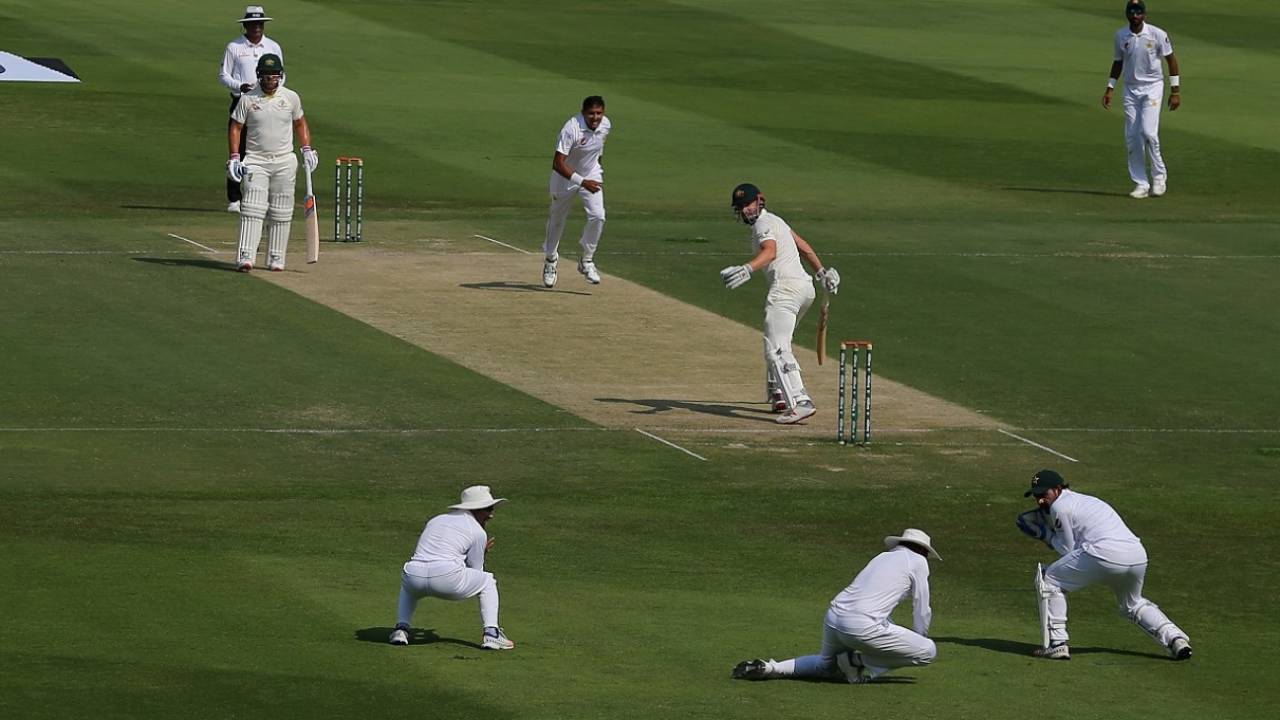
(617, 354)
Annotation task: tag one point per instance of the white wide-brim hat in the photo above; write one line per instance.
(254, 13)
(915, 537)
(477, 497)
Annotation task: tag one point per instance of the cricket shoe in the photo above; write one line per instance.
(275, 264)
(801, 411)
(245, 265)
(850, 663)
(234, 207)
(549, 272)
(588, 270)
(1159, 187)
(496, 639)
(1139, 192)
(1180, 649)
(400, 636)
(751, 670)
(1059, 651)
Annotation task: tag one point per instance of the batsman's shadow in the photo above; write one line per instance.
(202, 263)
(514, 286)
(1068, 191)
(417, 636)
(1014, 647)
(654, 406)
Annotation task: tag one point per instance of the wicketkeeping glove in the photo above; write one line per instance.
(310, 158)
(235, 168)
(1035, 524)
(830, 280)
(735, 276)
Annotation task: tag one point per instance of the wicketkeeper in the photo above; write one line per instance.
(1096, 547)
(271, 115)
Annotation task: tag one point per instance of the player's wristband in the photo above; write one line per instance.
(1111, 84)
(1175, 83)
(234, 156)
(576, 179)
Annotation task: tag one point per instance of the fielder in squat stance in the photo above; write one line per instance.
(1096, 547)
(271, 115)
(448, 563)
(778, 251)
(859, 643)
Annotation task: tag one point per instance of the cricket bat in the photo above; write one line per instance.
(310, 213)
(823, 317)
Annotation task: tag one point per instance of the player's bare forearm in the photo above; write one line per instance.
(233, 137)
(768, 251)
(561, 167)
(806, 252)
(303, 131)
(1173, 63)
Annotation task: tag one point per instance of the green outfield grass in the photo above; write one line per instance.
(207, 483)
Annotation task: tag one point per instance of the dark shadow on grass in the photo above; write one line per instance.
(167, 208)
(839, 680)
(202, 263)
(656, 406)
(1014, 647)
(1070, 191)
(518, 287)
(417, 636)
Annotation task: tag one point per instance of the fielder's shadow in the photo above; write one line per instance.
(202, 263)
(513, 286)
(168, 208)
(417, 636)
(655, 406)
(1014, 647)
(1068, 191)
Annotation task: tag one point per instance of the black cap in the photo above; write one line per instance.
(1134, 7)
(270, 64)
(1044, 481)
(744, 195)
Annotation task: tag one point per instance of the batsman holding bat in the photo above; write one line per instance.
(1096, 547)
(271, 114)
(778, 251)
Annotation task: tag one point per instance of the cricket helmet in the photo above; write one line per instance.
(270, 64)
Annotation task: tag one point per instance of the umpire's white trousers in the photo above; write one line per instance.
(1142, 132)
(563, 194)
(447, 582)
(1078, 569)
(883, 646)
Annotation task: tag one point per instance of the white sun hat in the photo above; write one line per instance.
(477, 497)
(915, 537)
(254, 13)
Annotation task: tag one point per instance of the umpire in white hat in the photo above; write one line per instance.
(239, 73)
(859, 640)
(448, 563)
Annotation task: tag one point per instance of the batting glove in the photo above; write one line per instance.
(310, 158)
(830, 280)
(735, 276)
(235, 168)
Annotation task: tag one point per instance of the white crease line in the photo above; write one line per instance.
(974, 255)
(665, 442)
(513, 247)
(299, 431)
(72, 252)
(206, 248)
(1036, 444)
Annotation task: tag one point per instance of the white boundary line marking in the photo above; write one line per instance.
(665, 442)
(206, 248)
(513, 247)
(1036, 444)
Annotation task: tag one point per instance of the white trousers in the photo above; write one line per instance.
(1142, 132)
(1078, 569)
(883, 647)
(563, 194)
(786, 303)
(267, 194)
(417, 582)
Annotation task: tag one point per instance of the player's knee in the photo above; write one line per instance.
(928, 654)
(595, 216)
(281, 207)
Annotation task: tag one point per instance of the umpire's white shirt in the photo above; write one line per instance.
(240, 62)
(1083, 522)
(451, 541)
(1140, 53)
(582, 146)
(886, 581)
(786, 262)
(269, 120)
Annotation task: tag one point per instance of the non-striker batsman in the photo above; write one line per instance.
(271, 115)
